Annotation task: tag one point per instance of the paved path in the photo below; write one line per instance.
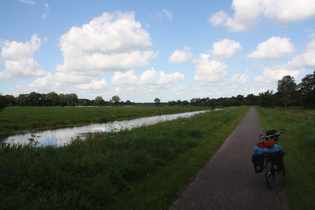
(228, 181)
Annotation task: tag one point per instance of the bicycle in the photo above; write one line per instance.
(270, 162)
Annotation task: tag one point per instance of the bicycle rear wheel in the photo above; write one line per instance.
(270, 176)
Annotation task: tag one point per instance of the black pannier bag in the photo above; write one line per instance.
(277, 161)
(258, 162)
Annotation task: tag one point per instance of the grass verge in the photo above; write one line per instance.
(299, 144)
(145, 168)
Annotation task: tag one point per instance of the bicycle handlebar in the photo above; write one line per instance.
(272, 136)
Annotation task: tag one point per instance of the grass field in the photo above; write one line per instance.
(15, 119)
(299, 144)
(145, 168)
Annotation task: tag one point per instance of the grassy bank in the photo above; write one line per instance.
(14, 119)
(299, 144)
(145, 168)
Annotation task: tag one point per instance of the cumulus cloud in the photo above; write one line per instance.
(94, 85)
(225, 49)
(273, 74)
(246, 13)
(179, 56)
(239, 79)
(307, 58)
(111, 42)
(273, 48)
(149, 77)
(209, 71)
(18, 60)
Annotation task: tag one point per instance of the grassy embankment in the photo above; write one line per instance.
(299, 144)
(145, 168)
(15, 119)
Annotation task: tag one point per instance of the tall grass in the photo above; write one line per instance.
(299, 144)
(13, 119)
(145, 168)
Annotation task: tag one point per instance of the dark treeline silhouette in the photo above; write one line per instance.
(288, 94)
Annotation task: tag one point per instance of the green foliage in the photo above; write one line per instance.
(99, 172)
(266, 99)
(299, 144)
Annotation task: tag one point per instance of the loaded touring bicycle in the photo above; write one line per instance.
(268, 157)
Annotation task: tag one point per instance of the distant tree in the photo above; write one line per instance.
(115, 99)
(185, 102)
(307, 91)
(250, 99)
(62, 100)
(11, 99)
(99, 100)
(3, 102)
(266, 99)
(172, 103)
(35, 99)
(22, 100)
(287, 90)
(53, 99)
(157, 101)
(72, 99)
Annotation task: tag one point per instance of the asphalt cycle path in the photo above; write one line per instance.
(228, 181)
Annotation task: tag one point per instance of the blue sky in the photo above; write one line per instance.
(141, 49)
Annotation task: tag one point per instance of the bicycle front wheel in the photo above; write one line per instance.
(269, 176)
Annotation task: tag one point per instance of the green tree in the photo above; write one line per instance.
(266, 99)
(11, 99)
(307, 91)
(22, 100)
(157, 101)
(287, 90)
(3, 102)
(53, 99)
(115, 99)
(99, 100)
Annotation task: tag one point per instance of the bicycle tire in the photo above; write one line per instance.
(270, 177)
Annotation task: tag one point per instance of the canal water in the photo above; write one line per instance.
(61, 137)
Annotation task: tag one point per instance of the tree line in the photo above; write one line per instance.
(288, 94)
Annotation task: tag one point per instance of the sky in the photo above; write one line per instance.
(146, 49)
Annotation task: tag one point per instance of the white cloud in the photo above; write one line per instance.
(94, 85)
(17, 59)
(225, 49)
(111, 42)
(179, 56)
(153, 77)
(273, 48)
(209, 71)
(125, 79)
(29, 2)
(246, 13)
(45, 14)
(273, 74)
(164, 14)
(239, 79)
(307, 58)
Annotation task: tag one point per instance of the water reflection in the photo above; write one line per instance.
(60, 137)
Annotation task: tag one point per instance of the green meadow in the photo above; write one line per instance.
(299, 145)
(17, 119)
(144, 168)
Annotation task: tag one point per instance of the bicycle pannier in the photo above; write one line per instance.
(258, 162)
(277, 161)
